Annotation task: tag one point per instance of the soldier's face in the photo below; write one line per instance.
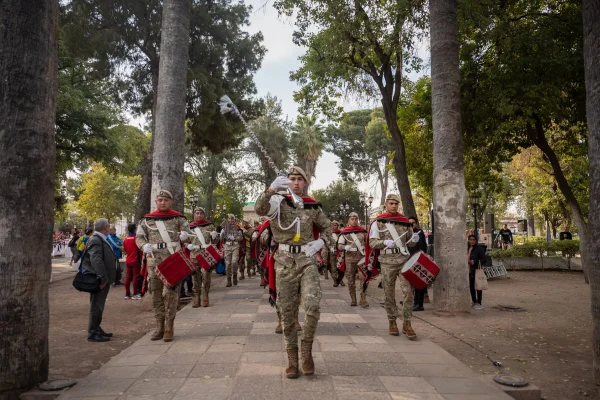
(198, 215)
(353, 221)
(231, 219)
(335, 226)
(391, 206)
(297, 184)
(164, 203)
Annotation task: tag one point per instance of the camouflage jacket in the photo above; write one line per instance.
(147, 232)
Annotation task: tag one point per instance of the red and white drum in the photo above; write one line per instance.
(420, 270)
(208, 257)
(175, 268)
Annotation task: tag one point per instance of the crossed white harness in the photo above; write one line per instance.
(395, 237)
(164, 235)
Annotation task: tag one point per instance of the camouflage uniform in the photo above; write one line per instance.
(201, 278)
(351, 259)
(297, 274)
(391, 266)
(331, 250)
(164, 299)
(250, 262)
(232, 254)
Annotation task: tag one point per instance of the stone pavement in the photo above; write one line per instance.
(230, 351)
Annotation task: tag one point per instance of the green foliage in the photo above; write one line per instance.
(538, 246)
(568, 248)
(337, 193)
(307, 142)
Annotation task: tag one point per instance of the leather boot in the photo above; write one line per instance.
(263, 283)
(326, 274)
(242, 276)
(408, 331)
(342, 283)
(335, 284)
(291, 372)
(168, 336)
(204, 299)
(353, 298)
(363, 300)
(235, 280)
(160, 330)
(308, 365)
(228, 282)
(394, 328)
(196, 301)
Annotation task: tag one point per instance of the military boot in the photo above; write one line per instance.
(169, 332)
(335, 283)
(326, 272)
(363, 300)
(408, 331)
(393, 328)
(235, 280)
(160, 329)
(204, 299)
(279, 328)
(291, 372)
(308, 365)
(353, 298)
(298, 326)
(228, 282)
(242, 276)
(342, 283)
(196, 301)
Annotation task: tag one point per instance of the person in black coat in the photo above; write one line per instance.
(476, 259)
(421, 245)
(100, 260)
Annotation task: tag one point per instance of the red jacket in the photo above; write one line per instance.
(132, 251)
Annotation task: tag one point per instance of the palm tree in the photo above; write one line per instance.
(308, 144)
(450, 290)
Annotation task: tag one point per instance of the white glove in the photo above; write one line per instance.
(342, 240)
(183, 236)
(331, 249)
(415, 238)
(230, 237)
(147, 248)
(313, 247)
(280, 181)
(192, 247)
(390, 244)
(347, 247)
(214, 234)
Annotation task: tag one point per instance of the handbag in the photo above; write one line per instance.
(481, 282)
(89, 283)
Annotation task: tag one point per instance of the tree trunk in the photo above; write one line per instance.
(28, 72)
(591, 51)
(530, 226)
(384, 179)
(449, 201)
(169, 135)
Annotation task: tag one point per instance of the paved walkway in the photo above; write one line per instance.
(230, 351)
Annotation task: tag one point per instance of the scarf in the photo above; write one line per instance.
(202, 222)
(340, 254)
(157, 214)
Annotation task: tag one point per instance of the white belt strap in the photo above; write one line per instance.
(357, 243)
(397, 239)
(162, 230)
(198, 233)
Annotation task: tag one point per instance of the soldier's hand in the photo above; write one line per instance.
(390, 244)
(192, 247)
(347, 247)
(280, 181)
(230, 237)
(214, 234)
(415, 238)
(147, 248)
(183, 236)
(313, 247)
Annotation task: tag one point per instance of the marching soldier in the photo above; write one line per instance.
(231, 238)
(159, 234)
(335, 234)
(248, 231)
(351, 243)
(296, 231)
(205, 233)
(389, 236)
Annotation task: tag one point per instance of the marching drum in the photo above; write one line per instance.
(208, 257)
(175, 268)
(420, 270)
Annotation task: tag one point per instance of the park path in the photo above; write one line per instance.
(230, 351)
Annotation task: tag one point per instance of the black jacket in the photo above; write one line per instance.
(99, 259)
(478, 256)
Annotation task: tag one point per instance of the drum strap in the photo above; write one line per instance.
(200, 236)
(162, 230)
(358, 244)
(397, 239)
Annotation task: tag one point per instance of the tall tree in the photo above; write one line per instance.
(450, 290)
(169, 137)
(308, 143)
(591, 51)
(362, 47)
(336, 193)
(28, 70)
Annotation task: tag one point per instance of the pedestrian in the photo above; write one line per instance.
(160, 234)
(506, 236)
(99, 259)
(351, 244)
(388, 240)
(205, 234)
(73, 246)
(117, 245)
(413, 248)
(299, 234)
(475, 259)
(231, 242)
(133, 264)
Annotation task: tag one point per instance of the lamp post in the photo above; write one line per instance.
(193, 203)
(344, 209)
(366, 202)
(220, 208)
(475, 204)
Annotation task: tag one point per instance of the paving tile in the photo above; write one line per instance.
(264, 384)
(308, 395)
(229, 340)
(264, 325)
(363, 395)
(350, 318)
(204, 330)
(264, 343)
(406, 384)
(442, 370)
(147, 349)
(273, 368)
(262, 331)
(368, 339)
(167, 371)
(243, 317)
(266, 395)
(335, 339)
(146, 397)
(314, 383)
(357, 384)
(128, 372)
(198, 347)
(401, 346)
(234, 332)
(204, 389)
(369, 369)
(134, 359)
(416, 396)
(155, 386)
(260, 357)
(359, 329)
(220, 358)
(459, 386)
(476, 397)
(337, 347)
(330, 329)
(327, 318)
(213, 370)
(225, 348)
(353, 357)
(190, 358)
(430, 358)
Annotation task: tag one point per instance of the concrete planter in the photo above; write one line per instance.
(538, 263)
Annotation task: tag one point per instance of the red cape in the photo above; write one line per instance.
(163, 214)
(202, 222)
(352, 229)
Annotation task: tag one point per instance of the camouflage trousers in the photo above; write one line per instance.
(351, 274)
(391, 273)
(164, 299)
(333, 267)
(201, 279)
(232, 259)
(251, 264)
(297, 283)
